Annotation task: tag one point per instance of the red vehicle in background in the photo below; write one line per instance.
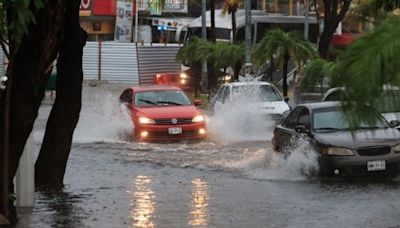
(178, 79)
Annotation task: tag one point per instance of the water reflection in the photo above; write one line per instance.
(56, 208)
(143, 203)
(199, 203)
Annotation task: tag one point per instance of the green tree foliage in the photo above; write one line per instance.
(283, 46)
(316, 73)
(15, 15)
(228, 55)
(220, 54)
(367, 65)
(373, 11)
(188, 53)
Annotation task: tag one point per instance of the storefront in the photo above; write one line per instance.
(97, 17)
(102, 22)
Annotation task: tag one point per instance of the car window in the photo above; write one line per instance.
(226, 94)
(334, 96)
(333, 119)
(304, 118)
(126, 96)
(291, 120)
(389, 101)
(258, 92)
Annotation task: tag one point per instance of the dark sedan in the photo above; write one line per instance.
(372, 148)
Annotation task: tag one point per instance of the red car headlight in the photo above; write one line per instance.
(198, 118)
(145, 120)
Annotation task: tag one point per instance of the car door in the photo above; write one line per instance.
(284, 133)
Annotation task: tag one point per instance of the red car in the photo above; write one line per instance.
(163, 113)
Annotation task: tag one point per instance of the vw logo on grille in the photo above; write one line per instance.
(174, 121)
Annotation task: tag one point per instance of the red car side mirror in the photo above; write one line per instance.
(198, 102)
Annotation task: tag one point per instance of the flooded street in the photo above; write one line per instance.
(232, 179)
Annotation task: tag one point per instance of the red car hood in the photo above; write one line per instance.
(168, 112)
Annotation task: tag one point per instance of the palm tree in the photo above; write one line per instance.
(373, 11)
(370, 62)
(188, 53)
(195, 52)
(283, 46)
(228, 55)
(231, 7)
(316, 72)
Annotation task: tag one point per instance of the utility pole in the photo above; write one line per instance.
(136, 21)
(247, 60)
(306, 20)
(204, 81)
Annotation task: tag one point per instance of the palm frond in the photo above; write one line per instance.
(368, 64)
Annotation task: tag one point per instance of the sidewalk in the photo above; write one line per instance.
(3, 220)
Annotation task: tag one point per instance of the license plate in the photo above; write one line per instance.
(174, 130)
(376, 165)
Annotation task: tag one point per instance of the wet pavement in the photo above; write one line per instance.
(232, 179)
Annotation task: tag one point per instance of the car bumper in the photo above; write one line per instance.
(161, 132)
(357, 165)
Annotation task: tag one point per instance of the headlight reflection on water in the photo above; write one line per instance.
(199, 203)
(143, 203)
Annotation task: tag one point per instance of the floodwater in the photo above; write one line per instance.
(232, 179)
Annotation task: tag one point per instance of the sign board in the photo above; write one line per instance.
(85, 8)
(171, 6)
(123, 21)
(176, 6)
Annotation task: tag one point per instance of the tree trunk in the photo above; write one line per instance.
(38, 48)
(51, 163)
(234, 26)
(284, 75)
(325, 40)
(236, 72)
(331, 20)
(212, 21)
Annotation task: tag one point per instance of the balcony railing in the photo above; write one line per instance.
(285, 8)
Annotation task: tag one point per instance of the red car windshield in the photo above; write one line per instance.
(159, 98)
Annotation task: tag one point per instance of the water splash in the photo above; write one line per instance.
(241, 119)
(300, 164)
(103, 119)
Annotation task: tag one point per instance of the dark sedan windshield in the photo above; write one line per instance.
(333, 119)
(390, 101)
(158, 98)
(258, 92)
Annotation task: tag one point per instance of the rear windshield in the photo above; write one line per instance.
(257, 92)
(391, 102)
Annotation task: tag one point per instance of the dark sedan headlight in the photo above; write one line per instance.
(397, 148)
(338, 151)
